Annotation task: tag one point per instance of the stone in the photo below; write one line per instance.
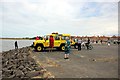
(19, 64)
(21, 67)
(38, 68)
(7, 73)
(28, 69)
(10, 67)
(19, 73)
(4, 69)
(12, 76)
(34, 73)
(25, 70)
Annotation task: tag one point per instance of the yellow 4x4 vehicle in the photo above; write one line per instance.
(59, 42)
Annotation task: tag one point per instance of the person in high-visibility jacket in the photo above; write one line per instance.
(37, 38)
(51, 43)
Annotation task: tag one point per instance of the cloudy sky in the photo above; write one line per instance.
(28, 18)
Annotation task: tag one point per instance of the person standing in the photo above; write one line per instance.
(87, 44)
(96, 41)
(108, 43)
(101, 41)
(79, 44)
(16, 45)
(51, 43)
(67, 48)
(37, 38)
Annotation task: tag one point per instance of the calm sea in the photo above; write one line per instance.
(6, 45)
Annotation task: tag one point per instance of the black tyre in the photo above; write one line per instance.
(62, 47)
(39, 48)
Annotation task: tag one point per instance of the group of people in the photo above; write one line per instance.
(67, 45)
(80, 42)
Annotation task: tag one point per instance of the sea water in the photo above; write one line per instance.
(6, 45)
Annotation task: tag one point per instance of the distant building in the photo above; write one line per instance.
(98, 38)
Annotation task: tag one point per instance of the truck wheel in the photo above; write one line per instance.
(62, 47)
(39, 48)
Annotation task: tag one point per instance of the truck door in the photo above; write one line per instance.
(56, 41)
(46, 44)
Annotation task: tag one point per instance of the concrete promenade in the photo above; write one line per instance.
(100, 62)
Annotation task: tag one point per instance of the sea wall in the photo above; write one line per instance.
(20, 64)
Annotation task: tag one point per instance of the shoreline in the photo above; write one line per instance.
(7, 45)
(14, 49)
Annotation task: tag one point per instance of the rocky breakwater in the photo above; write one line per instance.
(19, 64)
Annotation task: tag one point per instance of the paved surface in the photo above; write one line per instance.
(101, 62)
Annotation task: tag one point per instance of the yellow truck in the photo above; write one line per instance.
(59, 42)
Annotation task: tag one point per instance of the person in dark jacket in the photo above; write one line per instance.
(16, 45)
(79, 44)
(87, 44)
(101, 41)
